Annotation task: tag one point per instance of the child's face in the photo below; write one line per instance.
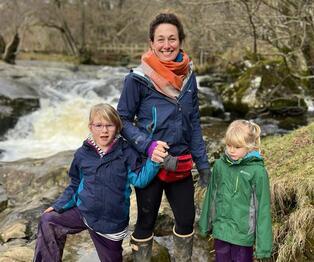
(236, 152)
(103, 132)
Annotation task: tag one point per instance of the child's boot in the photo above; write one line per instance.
(183, 246)
(141, 249)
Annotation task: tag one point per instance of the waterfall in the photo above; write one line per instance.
(61, 123)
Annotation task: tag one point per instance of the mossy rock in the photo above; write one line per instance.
(160, 253)
(259, 84)
(292, 122)
(288, 106)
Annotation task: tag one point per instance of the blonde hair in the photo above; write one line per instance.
(243, 133)
(108, 113)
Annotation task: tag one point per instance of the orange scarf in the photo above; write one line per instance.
(167, 76)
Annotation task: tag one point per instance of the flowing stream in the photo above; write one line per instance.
(61, 123)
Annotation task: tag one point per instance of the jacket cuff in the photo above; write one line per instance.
(58, 209)
(150, 148)
(260, 255)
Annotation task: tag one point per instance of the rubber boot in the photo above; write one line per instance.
(183, 246)
(141, 249)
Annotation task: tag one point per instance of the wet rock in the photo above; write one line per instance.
(16, 100)
(210, 103)
(3, 199)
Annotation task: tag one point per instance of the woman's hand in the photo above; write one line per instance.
(160, 152)
(49, 209)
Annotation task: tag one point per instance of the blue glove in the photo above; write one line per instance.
(204, 178)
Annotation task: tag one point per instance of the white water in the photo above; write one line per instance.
(61, 123)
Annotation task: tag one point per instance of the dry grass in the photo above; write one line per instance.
(290, 163)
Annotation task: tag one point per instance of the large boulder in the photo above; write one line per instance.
(16, 100)
(265, 85)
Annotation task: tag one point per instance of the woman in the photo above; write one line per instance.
(162, 95)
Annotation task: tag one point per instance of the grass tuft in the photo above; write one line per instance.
(289, 160)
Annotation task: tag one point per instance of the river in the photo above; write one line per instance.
(61, 122)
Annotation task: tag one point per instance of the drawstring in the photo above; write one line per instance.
(154, 122)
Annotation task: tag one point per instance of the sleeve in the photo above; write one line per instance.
(145, 175)
(141, 171)
(198, 148)
(68, 199)
(263, 216)
(208, 206)
(128, 106)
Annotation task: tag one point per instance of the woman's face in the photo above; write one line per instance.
(166, 44)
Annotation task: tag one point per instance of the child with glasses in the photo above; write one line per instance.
(98, 195)
(236, 209)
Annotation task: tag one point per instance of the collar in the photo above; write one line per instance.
(101, 152)
(249, 155)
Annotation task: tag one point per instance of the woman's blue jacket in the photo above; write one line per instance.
(149, 115)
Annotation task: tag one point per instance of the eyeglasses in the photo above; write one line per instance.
(100, 127)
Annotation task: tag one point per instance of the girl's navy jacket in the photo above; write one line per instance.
(100, 186)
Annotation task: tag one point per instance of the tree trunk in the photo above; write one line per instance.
(11, 50)
(68, 37)
(308, 53)
(2, 45)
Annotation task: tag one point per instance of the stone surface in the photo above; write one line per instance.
(20, 254)
(14, 230)
(3, 199)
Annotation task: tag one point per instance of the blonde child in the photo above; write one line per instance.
(98, 195)
(236, 209)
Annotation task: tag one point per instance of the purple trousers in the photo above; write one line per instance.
(53, 229)
(227, 252)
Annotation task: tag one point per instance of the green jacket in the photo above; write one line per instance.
(236, 208)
